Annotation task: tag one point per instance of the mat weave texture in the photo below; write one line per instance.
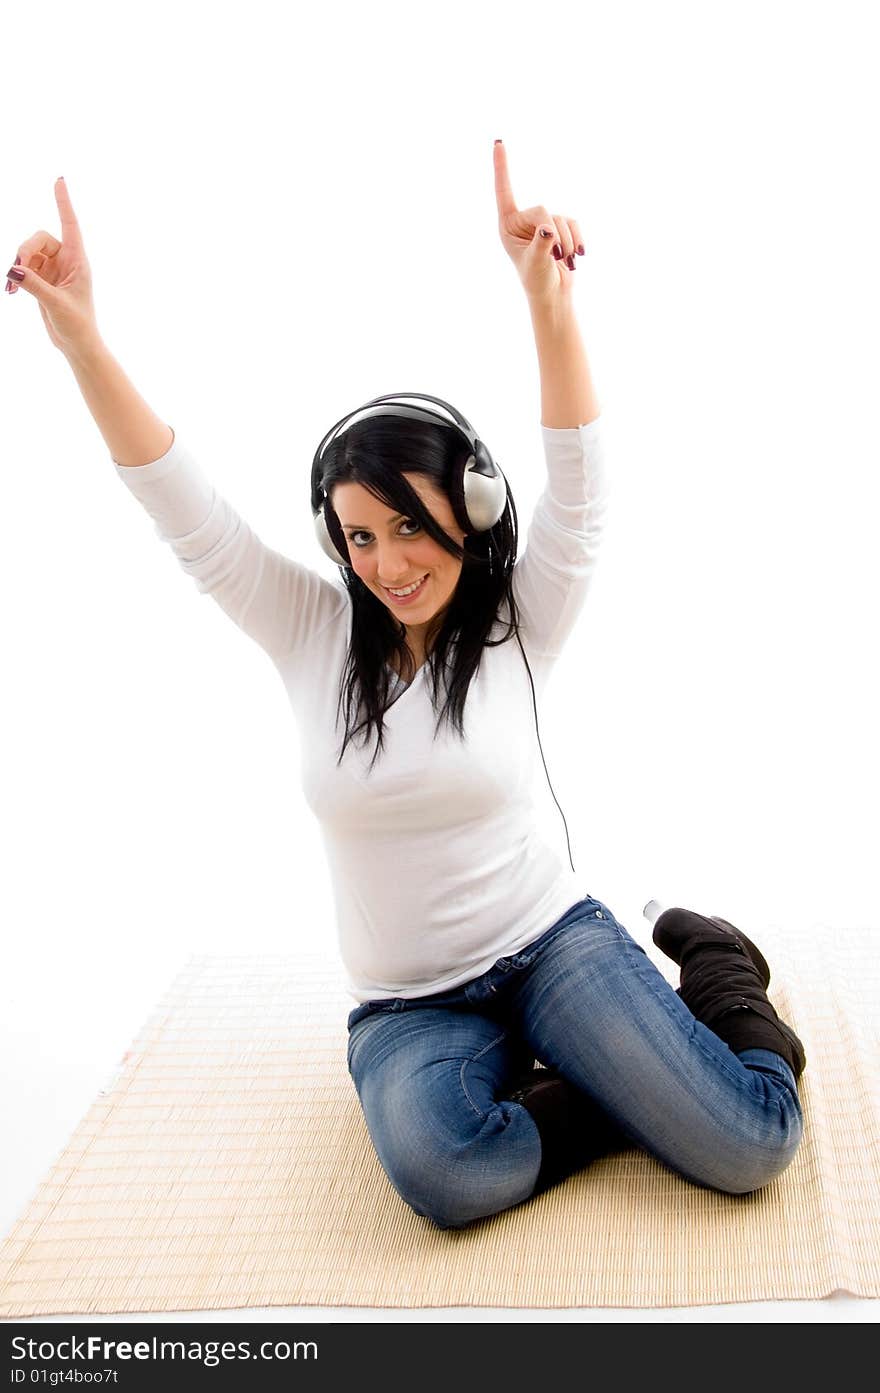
(228, 1165)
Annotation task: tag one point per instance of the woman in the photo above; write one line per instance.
(467, 945)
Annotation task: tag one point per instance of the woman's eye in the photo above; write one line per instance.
(407, 522)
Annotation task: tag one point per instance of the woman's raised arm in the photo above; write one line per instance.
(280, 603)
(58, 276)
(552, 576)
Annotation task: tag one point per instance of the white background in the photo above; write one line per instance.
(289, 210)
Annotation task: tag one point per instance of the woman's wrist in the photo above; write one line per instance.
(86, 352)
(556, 309)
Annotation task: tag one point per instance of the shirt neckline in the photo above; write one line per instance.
(407, 685)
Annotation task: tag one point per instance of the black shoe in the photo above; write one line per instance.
(723, 982)
(679, 931)
(573, 1129)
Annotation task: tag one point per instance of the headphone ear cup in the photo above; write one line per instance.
(484, 488)
(328, 546)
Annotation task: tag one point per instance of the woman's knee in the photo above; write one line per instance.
(754, 1164)
(454, 1173)
(454, 1187)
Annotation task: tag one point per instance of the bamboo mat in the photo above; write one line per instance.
(228, 1165)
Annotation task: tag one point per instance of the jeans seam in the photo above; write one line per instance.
(626, 937)
(491, 1046)
(695, 1038)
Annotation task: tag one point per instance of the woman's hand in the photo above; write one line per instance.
(544, 277)
(58, 276)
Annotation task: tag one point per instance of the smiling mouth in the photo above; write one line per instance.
(409, 592)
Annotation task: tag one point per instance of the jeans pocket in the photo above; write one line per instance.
(585, 909)
(592, 912)
(603, 914)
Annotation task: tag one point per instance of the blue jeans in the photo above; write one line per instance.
(431, 1074)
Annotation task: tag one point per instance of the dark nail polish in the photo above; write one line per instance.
(569, 261)
(16, 275)
(581, 249)
(557, 251)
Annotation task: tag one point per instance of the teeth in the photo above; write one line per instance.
(409, 590)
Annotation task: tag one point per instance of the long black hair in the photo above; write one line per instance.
(374, 452)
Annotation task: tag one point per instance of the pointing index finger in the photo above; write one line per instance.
(503, 192)
(69, 226)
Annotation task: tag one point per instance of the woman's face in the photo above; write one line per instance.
(390, 552)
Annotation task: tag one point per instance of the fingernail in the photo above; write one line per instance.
(18, 261)
(557, 251)
(16, 275)
(569, 261)
(581, 249)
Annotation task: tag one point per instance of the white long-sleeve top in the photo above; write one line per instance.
(436, 860)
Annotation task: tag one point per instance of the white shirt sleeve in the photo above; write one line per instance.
(552, 576)
(278, 602)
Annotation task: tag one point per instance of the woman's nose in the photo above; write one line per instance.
(392, 568)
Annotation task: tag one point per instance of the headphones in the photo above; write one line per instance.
(484, 488)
